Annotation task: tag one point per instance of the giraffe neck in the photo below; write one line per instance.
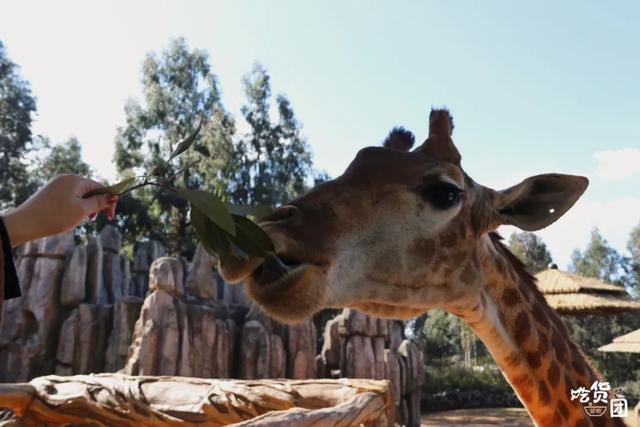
(530, 343)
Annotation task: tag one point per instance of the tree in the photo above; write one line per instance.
(601, 261)
(273, 159)
(442, 333)
(62, 159)
(531, 250)
(179, 90)
(16, 108)
(633, 245)
(268, 165)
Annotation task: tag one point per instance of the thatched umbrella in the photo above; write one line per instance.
(573, 294)
(629, 343)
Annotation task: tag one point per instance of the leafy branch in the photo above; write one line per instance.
(223, 229)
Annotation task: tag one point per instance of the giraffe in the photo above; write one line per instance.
(403, 231)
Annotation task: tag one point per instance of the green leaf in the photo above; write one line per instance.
(210, 205)
(114, 189)
(257, 211)
(213, 239)
(185, 143)
(251, 238)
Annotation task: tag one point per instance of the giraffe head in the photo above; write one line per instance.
(396, 234)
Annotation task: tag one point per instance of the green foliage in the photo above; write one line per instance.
(441, 333)
(267, 166)
(456, 377)
(531, 250)
(62, 159)
(593, 331)
(633, 245)
(221, 233)
(180, 93)
(17, 105)
(599, 260)
(273, 160)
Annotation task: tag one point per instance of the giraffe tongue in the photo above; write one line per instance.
(271, 270)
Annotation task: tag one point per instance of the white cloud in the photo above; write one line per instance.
(614, 218)
(617, 164)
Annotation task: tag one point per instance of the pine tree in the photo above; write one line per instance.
(599, 260)
(180, 91)
(17, 106)
(531, 250)
(273, 158)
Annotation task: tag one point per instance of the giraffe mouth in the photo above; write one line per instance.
(286, 288)
(273, 269)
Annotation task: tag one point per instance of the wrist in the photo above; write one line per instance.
(17, 227)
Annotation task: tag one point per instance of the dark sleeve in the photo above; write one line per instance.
(8, 268)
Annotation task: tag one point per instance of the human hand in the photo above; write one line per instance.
(57, 207)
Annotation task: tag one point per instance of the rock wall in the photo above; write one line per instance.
(88, 309)
(359, 346)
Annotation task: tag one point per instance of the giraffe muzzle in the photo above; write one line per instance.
(272, 269)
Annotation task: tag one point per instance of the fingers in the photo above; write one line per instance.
(110, 212)
(87, 185)
(95, 204)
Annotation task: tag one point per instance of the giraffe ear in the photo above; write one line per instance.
(540, 200)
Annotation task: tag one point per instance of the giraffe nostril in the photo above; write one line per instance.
(287, 213)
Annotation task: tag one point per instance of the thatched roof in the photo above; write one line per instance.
(573, 294)
(580, 303)
(629, 343)
(554, 281)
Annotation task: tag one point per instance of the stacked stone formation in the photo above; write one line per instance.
(77, 309)
(359, 346)
(83, 312)
(269, 349)
(175, 337)
(30, 323)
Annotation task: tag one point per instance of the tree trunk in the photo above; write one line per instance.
(122, 400)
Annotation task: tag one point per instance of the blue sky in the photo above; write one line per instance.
(534, 87)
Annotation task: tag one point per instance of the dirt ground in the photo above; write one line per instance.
(505, 417)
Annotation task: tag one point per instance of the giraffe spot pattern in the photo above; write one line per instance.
(533, 359)
(510, 297)
(559, 345)
(564, 410)
(468, 274)
(578, 366)
(424, 248)
(539, 315)
(553, 374)
(543, 393)
(568, 383)
(459, 257)
(543, 344)
(449, 240)
(522, 328)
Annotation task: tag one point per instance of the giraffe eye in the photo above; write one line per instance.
(442, 195)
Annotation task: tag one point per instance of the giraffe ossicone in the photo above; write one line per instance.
(401, 232)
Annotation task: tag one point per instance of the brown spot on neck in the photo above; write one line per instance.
(510, 297)
(522, 328)
(545, 364)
